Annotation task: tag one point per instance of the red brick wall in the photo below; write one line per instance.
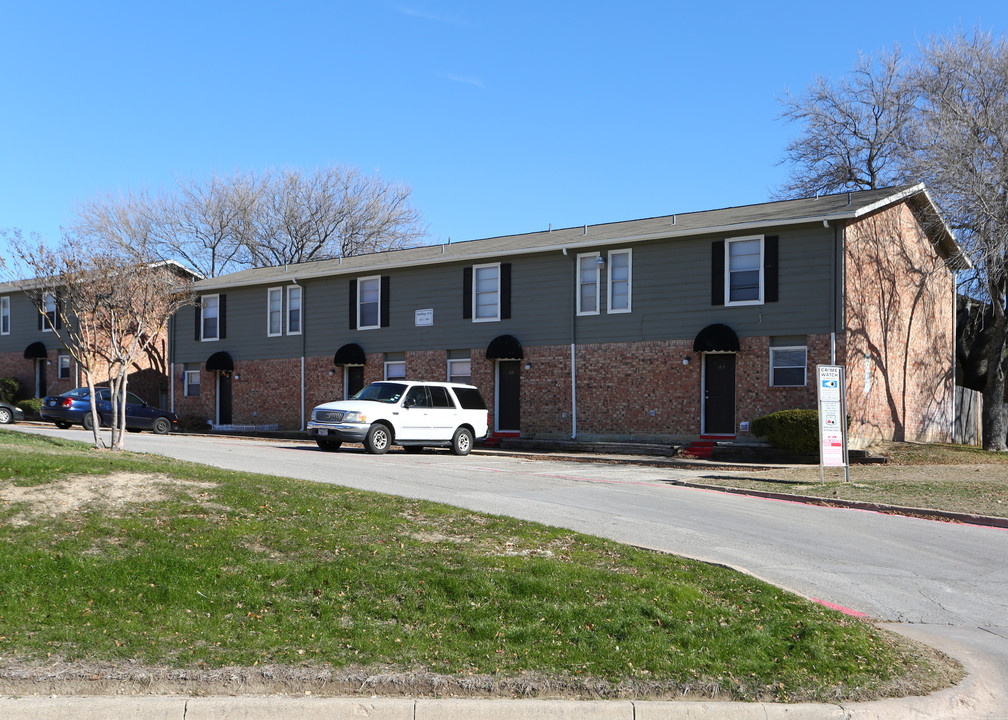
(900, 313)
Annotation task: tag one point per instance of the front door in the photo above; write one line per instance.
(223, 399)
(40, 377)
(508, 395)
(719, 394)
(353, 380)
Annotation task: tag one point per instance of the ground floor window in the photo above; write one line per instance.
(192, 382)
(788, 365)
(459, 367)
(63, 362)
(395, 366)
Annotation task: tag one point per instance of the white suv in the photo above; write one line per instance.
(410, 413)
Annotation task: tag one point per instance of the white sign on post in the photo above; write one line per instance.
(832, 419)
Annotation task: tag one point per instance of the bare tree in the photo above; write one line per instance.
(335, 211)
(853, 129)
(227, 223)
(962, 153)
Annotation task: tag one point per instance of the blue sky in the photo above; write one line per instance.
(504, 117)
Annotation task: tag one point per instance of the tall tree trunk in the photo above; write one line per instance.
(995, 411)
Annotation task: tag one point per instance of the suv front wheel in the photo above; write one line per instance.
(462, 441)
(378, 439)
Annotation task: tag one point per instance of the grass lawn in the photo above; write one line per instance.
(126, 559)
(953, 478)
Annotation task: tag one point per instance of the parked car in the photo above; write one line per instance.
(74, 407)
(410, 413)
(10, 413)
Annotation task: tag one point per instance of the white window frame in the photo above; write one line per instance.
(452, 377)
(300, 309)
(727, 270)
(775, 349)
(203, 317)
(390, 363)
(360, 292)
(475, 284)
(629, 281)
(5, 315)
(186, 382)
(592, 260)
(272, 331)
(62, 360)
(47, 324)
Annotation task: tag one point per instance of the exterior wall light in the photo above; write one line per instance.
(685, 360)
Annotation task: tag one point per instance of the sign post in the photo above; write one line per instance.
(832, 396)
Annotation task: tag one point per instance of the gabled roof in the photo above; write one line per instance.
(735, 220)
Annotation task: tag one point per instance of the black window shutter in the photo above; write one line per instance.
(57, 320)
(505, 290)
(42, 315)
(222, 317)
(467, 289)
(770, 268)
(384, 302)
(199, 317)
(353, 304)
(717, 273)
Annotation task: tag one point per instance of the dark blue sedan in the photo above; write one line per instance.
(74, 407)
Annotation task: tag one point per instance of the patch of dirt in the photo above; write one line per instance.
(115, 493)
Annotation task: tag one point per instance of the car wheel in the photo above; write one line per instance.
(6, 416)
(63, 424)
(88, 422)
(161, 426)
(462, 441)
(414, 449)
(328, 445)
(378, 439)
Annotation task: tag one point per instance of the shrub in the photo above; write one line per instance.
(193, 423)
(31, 407)
(10, 389)
(794, 430)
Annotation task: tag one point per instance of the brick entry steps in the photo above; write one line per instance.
(703, 449)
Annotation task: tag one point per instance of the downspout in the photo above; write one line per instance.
(573, 345)
(836, 279)
(303, 344)
(955, 313)
(171, 361)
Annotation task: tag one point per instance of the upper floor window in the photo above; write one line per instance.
(294, 310)
(274, 312)
(486, 292)
(744, 271)
(4, 315)
(589, 266)
(368, 302)
(620, 271)
(787, 366)
(50, 320)
(209, 317)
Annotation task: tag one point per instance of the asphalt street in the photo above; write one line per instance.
(948, 581)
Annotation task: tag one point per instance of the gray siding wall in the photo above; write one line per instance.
(670, 300)
(24, 328)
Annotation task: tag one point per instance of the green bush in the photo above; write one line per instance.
(31, 407)
(794, 430)
(10, 389)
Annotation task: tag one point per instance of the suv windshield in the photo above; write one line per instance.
(385, 392)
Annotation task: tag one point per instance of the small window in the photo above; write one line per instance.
(787, 366)
(63, 363)
(192, 383)
(395, 366)
(744, 271)
(294, 310)
(49, 306)
(620, 268)
(588, 284)
(368, 303)
(460, 369)
(274, 312)
(486, 292)
(209, 317)
(4, 315)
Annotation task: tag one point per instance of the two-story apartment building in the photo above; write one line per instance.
(663, 328)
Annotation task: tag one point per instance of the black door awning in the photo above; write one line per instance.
(220, 362)
(350, 354)
(504, 347)
(35, 351)
(716, 338)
